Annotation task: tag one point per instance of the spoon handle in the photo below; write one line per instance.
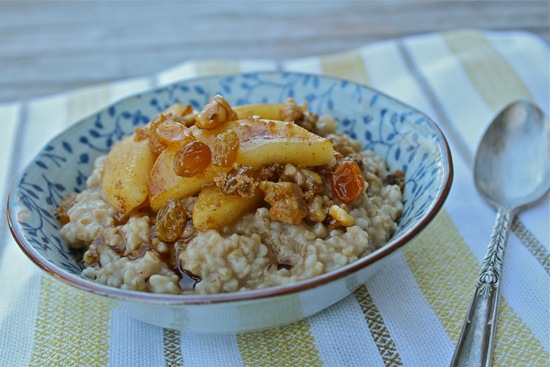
(475, 344)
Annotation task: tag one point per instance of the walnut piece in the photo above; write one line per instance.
(344, 145)
(286, 200)
(341, 216)
(214, 113)
(316, 209)
(310, 182)
(299, 115)
(291, 111)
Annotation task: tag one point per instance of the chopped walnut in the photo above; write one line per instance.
(214, 113)
(341, 216)
(286, 200)
(309, 122)
(316, 209)
(91, 256)
(344, 145)
(291, 111)
(299, 115)
(309, 181)
(188, 118)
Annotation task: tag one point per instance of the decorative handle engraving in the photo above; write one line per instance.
(475, 344)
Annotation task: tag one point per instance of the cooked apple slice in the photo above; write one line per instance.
(164, 184)
(266, 142)
(125, 174)
(215, 210)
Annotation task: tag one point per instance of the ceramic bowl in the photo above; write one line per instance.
(406, 138)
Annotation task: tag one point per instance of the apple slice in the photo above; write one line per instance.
(125, 174)
(267, 141)
(215, 210)
(264, 142)
(164, 184)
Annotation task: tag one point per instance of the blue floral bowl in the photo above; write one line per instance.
(406, 138)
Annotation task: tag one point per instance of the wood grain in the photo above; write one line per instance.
(48, 47)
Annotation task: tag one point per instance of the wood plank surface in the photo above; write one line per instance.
(48, 47)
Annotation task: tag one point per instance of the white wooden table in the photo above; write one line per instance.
(48, 47)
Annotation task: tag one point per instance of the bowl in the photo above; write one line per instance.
(406, 138)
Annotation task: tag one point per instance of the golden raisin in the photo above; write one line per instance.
(226, 148)
(192, 159)
(347, 182)
(169, 131)
(171, 219)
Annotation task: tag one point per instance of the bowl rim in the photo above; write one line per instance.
(391, 246)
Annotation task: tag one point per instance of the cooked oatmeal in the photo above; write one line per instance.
(295, 221)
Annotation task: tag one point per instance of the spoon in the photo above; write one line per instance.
(511, 170)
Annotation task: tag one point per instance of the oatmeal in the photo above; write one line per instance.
(230, 199)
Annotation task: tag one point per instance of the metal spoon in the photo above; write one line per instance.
(511, 170)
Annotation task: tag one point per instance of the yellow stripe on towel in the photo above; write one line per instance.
(347, 65)
(291, 345)
(448, 288)
(489, 72)
(72, 328)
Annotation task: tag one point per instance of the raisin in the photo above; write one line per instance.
(192, 159)
(169, 131)
(226, 148)
(171, 219)
(347, 182)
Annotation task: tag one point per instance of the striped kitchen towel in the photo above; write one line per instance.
(408, 314)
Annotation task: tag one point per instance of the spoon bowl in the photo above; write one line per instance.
(511, 166)
(511, 170)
